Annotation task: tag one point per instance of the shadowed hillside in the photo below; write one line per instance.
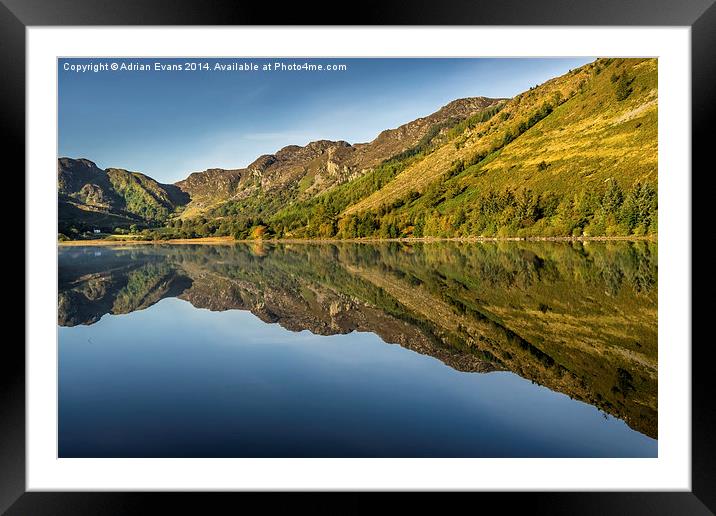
(90, 197)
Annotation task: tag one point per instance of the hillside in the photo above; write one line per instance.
(299, 173)
(576, 155)
(90, 197)
(567, 157)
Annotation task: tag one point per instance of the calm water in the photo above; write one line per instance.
(391, 350)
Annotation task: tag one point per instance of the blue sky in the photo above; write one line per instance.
(169, 123)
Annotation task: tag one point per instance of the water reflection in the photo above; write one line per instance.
(578, 318)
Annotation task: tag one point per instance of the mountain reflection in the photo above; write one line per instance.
(578, 318)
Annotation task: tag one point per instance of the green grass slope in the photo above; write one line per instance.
(576, 155)
(145, 197)
(91, 198)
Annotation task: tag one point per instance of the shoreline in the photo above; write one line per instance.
(231, 240)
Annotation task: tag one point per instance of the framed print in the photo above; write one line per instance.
(381, 257)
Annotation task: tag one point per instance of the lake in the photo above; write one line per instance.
(443, 349)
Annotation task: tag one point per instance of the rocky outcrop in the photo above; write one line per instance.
(91, 197)
(305, 171)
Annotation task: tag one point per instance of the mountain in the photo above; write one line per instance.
(576, 155)
(303, 172)
(94, 198)
(105, 199)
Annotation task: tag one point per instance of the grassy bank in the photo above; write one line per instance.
(230, 240)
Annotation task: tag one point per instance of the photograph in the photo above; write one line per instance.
(384, 257)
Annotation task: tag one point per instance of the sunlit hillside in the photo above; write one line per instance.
(574, 156)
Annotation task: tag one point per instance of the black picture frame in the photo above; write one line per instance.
(17, 15)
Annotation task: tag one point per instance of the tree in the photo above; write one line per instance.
(640, 208)
(419, 225)
(557, 98)
(527, 208)
(460, 218)
(326, 230)
(613, 198)
(258, 232)
(623, 87)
